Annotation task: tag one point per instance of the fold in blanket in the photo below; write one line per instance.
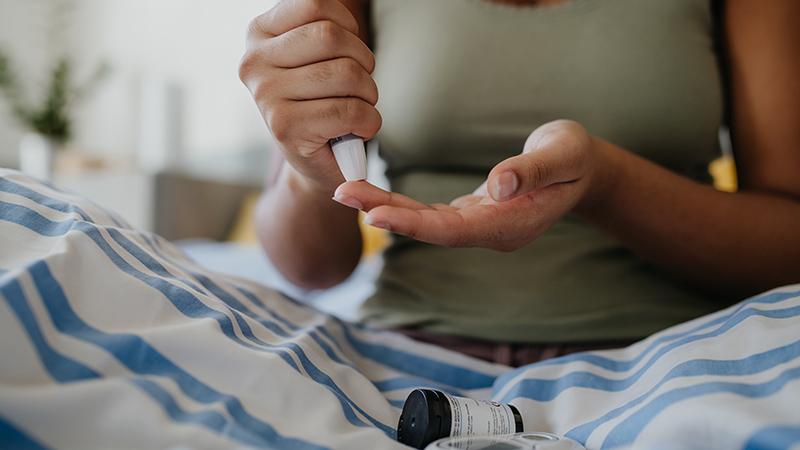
(112, 338)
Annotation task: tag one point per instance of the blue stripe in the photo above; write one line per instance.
(629, 429)
(34, 221)
(236, 305)
(193, 307)
(323, 344)
(408, 383)
(625, 365)
(410, 363)
(548, 389)
(185, 301)
(388, 356)
(64, 369)
(397, 403)
(12, 438)
(778, 437)
(438, 372)
(141, 358)
(414, 364)
(56, 205)
(312, 370)
(154, 266)
(750, 365)
(16, 188)
(212, 288)
(188, 304)
(276, 327)
(441, 372)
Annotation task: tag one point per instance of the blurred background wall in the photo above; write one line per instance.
(188, 48)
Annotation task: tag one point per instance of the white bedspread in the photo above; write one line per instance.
(112, 339)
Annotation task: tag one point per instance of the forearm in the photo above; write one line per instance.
(735, 244)
(312, 240)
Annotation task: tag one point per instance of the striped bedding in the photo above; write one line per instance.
(111, 338)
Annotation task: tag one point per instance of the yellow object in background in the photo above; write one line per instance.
(723, 171)
(375, 239)
(244, 230)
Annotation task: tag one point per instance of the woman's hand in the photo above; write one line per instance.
(522, 197)
(310, 75)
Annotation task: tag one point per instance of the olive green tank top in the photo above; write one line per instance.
(464, 82)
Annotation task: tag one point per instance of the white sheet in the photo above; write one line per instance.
(112, 338)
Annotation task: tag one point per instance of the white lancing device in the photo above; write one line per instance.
(351, 156)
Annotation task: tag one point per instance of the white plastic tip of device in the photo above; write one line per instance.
(351, 156)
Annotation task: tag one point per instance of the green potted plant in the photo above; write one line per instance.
(49, 122)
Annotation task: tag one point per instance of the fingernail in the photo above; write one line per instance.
(346, 200)
(505, 185)
(377, 224)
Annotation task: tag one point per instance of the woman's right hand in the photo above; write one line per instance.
(310, 75)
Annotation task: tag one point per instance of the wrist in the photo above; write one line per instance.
(308, 194)
(606, 174)
(300, 185)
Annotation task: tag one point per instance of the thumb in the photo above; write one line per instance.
(517, 176)
(556, 158)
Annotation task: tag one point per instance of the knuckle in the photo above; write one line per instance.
(374, 123)
(334, 111)
(313, 7)
(258, 25)
(340, 110)
(248, 65)
(371, 62)
(279, 122)
(255, 26)
(367, 118)
(327, 33)
(322, 72)
(352, 110)
(373, 92)
(264, 90)
(350, 71)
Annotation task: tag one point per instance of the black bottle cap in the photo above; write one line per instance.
(425, 418)
(519, 426)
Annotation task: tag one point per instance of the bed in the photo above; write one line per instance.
(112, 338)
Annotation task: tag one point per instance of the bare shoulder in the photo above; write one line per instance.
(763, 45)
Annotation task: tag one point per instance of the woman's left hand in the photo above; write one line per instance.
(522, 197)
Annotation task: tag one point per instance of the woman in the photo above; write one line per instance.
(607, 227)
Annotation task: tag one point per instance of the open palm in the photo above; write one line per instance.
(526, 195)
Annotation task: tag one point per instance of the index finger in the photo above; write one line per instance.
(290, 14)
(428, 225)
(469, 227)
(369, 197)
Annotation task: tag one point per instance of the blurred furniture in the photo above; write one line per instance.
(188, 207)
(172, 204)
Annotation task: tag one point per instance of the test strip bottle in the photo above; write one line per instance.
(429, 415)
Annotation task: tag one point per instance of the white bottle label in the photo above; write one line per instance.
(480, 417)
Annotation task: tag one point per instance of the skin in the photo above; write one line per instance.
(733, 244)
